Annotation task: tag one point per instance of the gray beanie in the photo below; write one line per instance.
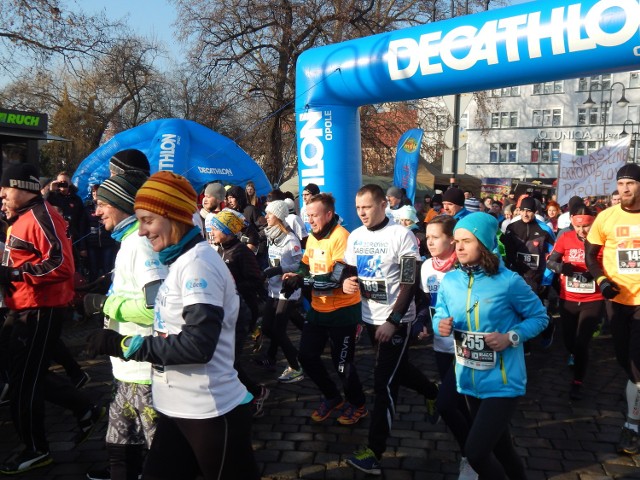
(279, 209)
(215, 190)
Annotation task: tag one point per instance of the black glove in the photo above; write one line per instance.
(291, 284)
(583, 277)
(93, 303)
(9, 275)
(106, 342)
(609, 289)
(273, 271)
(567, 269)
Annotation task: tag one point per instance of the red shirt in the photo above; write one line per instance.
(572, 250)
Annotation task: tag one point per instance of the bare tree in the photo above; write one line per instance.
(39, 30)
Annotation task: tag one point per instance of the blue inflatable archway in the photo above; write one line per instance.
(528, 43)
(180, 146)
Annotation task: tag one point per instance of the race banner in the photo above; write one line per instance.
(593, 174)
(406, 167)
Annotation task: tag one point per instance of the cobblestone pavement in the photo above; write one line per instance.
(558, 439)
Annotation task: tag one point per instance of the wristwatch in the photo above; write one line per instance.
(514, 338)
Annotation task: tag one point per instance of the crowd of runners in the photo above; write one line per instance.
(190, 289)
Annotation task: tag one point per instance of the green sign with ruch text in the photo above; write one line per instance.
(23, 120)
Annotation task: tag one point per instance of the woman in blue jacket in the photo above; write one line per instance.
(499, 312)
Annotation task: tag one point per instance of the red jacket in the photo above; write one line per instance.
(39, 248)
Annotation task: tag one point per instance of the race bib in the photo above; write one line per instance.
(471, 350)
(574, 285)
(375, 290)
(629, 260)
(531, 260)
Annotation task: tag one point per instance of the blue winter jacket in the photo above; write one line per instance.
(498, 303)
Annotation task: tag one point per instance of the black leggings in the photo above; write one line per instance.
(625, 330)
(216, 448)
(489, 447)
(274, 326)
(579, 321)
(450, 404)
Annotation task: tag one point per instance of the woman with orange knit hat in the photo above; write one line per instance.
(204, 425)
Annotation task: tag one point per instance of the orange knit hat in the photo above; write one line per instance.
(168, 194)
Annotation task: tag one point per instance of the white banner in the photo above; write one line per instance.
(593, 174)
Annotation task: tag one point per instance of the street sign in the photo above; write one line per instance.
(450, 100)
(447, 162)
(463, 136)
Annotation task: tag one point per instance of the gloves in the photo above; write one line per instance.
(291, 284)
(105, 341)
(9, 275)
(583, 277)
(567, 269)
(93, 304)
(273, 271)
(608, 288)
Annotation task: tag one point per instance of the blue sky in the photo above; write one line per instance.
(151, 18)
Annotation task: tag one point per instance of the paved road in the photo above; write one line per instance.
(558, 439)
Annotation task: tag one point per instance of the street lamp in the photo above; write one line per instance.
(623, 102)
(634, 137)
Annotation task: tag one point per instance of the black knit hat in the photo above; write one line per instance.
(528, 203)
(126, 161)
(312, 188)
(24, 176)
(630, 171)
(455, 196)
(120, 191)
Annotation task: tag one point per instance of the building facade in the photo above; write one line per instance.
(527, 127)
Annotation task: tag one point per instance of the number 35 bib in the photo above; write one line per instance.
(471, 350)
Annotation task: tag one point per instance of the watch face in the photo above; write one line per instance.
(515, 338)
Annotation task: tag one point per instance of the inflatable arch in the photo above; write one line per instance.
(180, 146)
(527, 43)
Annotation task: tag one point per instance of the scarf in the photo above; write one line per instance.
(122, 228)
(326, 230)
(172, 252)
(470, 269)
(444, 265)
(275, 234)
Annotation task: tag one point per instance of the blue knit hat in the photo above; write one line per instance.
(483, 226)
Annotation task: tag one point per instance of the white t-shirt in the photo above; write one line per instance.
(136, 265)
(430, 279)
(286, 254)
(377, 256)
(199, 276)
(297, 226)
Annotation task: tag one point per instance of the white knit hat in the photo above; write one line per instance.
(291, 205)
(278, 208)
(407, 212)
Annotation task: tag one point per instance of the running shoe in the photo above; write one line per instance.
(352, 414)
(89, 422)
(466, 470)
(325, 409)
(575, 393)
(25, 461)
(572, 361)
(432, 412)
(366, 461)
(258, 402)
(628, 442)
(291, 375)
(598, 331)
(4, 394)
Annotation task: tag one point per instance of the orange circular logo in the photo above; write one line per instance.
(410, 146)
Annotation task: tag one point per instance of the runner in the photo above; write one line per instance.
(386, 259)
(490, 311)
(616, 234)
(581, 303)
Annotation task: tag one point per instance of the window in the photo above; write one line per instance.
(592, 115)
(504, 119)
(597, 82)
(548, 87)
(585, 148)
(633, 113)
(634, 79)
(503, 152)
(506, 92)
(547, 118)
(545, 152)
